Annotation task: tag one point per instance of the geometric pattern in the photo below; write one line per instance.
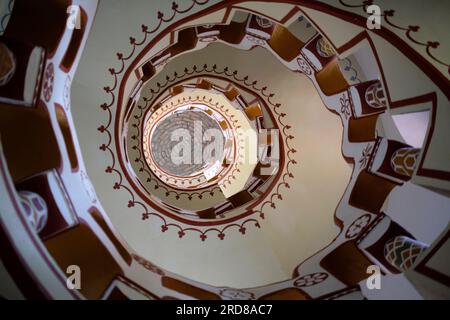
(345, 106)
(404, 160)
(357, 226)
(236, 294)
(310, 279)
(365, 157)
(304, 66)
(35, 209)
(375, 97)
(49, 78)
(401, 252)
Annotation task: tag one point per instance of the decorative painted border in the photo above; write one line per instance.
(213, 72)
(114, 73)
(349, 67)
(144, 167)
(262, 92)
(132, 202)
(152, 99)
(408, 30)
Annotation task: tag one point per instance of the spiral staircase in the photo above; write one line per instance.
(331, 161)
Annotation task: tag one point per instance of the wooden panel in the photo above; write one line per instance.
(204, 84)
(284, 43)
(80, 246)
(233, 33)
(109, 233)
(240, 198)
(206, 214)
(377, 249)
(231, 94)
(13, 263)
(29, 143)
(347, 263)
(370, 192)
(253, 112)
(223, 125)
(148, 71)
(175, 90)
(362, 129)
(41, 23)
(188, 289)
(23, 85)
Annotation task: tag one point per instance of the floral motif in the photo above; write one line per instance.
(324, 48)
(345, 106)
(375, 96)
(401, 252)
(404, 161)
(310, 279)
(255, 40)
(236, 294)
(304, 66)
(365, 156)
(357, 226)
(49, 77)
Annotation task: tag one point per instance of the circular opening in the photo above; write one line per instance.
(180, 141)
